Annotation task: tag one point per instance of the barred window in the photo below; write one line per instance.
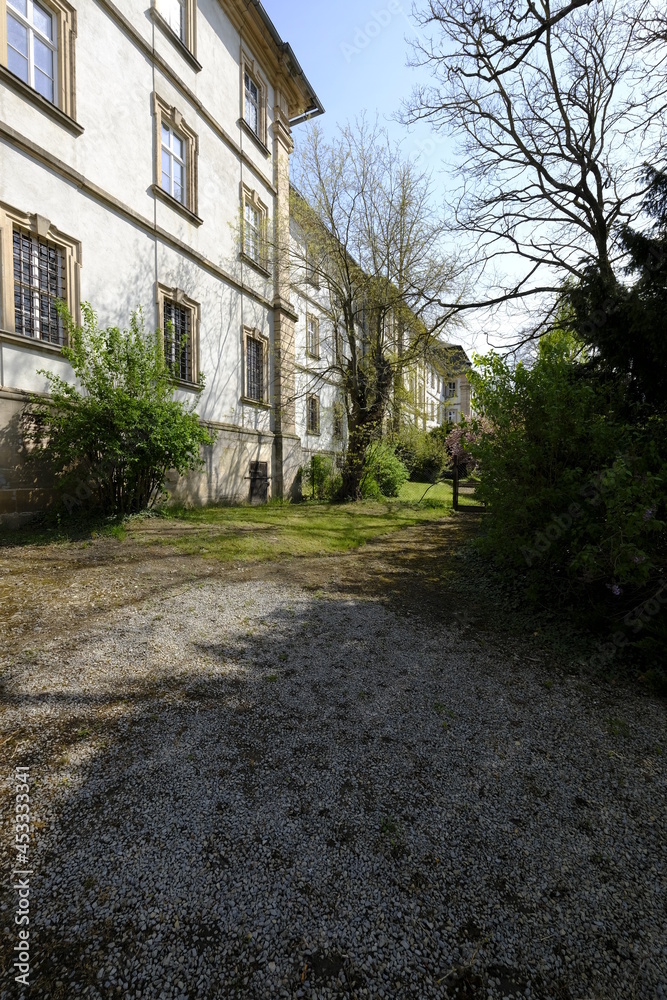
(178, 340)
(313, 414)
(39, 281)
(254, 369)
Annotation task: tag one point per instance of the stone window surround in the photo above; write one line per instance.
(249, 66)
(37, 225)
(252, 333)
(171, 116)
(250, 196)
(65, 17)
(179, 297)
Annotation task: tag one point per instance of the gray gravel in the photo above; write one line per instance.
(269, 793)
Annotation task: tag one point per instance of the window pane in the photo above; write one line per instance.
(166, 135)
(166, 170)
(177, 146)
(179, 180)
(43, 21)
(17, 35)
(43, 58)
(17, 64)
(172, 12)
(20, 5)
(251, 117)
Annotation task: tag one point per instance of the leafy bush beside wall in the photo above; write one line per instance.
(112, 437)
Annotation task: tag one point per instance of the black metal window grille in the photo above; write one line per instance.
(178, 340)
(39, 281)
(254, 369)
(313, 414)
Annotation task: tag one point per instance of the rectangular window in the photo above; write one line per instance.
(178, 340)
(179, 318)
(337, 421)
(254, 369)
(432, 410)
(451, 416)
(254, 219)
(313, 414)
(312, 336)
(251, 105)
(39, 281)
(173, 11)
(176, 156)
(253, 99)
(451, 390)
(32, 46)
(173, 163)
(252, 232)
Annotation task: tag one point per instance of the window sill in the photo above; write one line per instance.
(178, 42)
(314, 433)
(8, 78)
(182, 384)
(256, 403)
(313, 357)
(253, 263)
(32, 342)
(173, 203)
(243, 125)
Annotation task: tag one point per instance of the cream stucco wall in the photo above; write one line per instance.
(97, 188)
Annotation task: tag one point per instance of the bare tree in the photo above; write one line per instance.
(365, 231)
(545, 102)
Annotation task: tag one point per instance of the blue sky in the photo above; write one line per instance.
(354, 53)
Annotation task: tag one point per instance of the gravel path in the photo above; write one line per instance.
(268, 793)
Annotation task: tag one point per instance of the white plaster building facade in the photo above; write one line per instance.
(438, 389)
(144, 162)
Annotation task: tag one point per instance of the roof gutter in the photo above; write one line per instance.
(316, 108)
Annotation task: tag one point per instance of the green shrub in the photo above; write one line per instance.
(575, 497)
(111, 442)
(423, 453)
(384, 472)
(321, 478)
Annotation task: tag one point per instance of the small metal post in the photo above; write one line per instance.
(456, 482)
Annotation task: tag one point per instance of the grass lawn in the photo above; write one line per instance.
(279, 530)
(244, 533)
(441, 493)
